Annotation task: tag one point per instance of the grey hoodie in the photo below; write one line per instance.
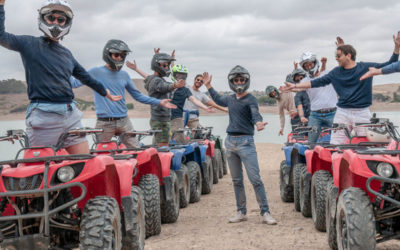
(158, 88)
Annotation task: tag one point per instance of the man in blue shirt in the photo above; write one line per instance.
(112, 116)
(355, 95)
(48, 68)
(239, 144)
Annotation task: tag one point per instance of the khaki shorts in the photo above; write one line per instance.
(44, 128)
(193, 123)
(164, 135)
(117, 127)
(177, 124)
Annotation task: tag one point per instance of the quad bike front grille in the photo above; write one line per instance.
(19, 184)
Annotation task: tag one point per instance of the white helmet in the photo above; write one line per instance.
(55, 30)
(377, 135)
(309, 57)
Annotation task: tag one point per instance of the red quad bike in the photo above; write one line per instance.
(154, 176)
(315, 178)
(53, 200)
(363, 200)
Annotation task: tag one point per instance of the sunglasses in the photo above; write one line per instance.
(120, 55)
(59, 19)
(199, 80)
(164, 65)
(241, 79)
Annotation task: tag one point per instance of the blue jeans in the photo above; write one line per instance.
(317, 121)
(242, 149)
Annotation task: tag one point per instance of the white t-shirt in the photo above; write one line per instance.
(199, 96)
(323, 97)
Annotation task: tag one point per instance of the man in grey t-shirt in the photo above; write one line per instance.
(191, 110)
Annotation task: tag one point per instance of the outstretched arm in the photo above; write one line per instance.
(199, 103)
(8, 40)
(213, 104)
(133, 66)
(220, 100)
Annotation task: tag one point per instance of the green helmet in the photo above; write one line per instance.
(179, 71)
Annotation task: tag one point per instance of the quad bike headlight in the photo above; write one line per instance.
(384, 169)
(65, 174)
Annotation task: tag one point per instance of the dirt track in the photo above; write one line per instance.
(204, 225)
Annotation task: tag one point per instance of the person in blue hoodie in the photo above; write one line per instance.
(112, 117)
(48, 68)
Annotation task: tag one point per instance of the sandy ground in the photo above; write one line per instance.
(204, 225)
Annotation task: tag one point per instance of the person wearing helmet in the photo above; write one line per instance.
(48, 68)
(322, 100)
(239, 143)
(191, 112)
(301, 99)
(180, 72)
(112, 117)
(157, 87)
(355, 95)
(285, 102)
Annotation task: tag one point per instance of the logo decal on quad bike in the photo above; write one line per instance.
(36, 153)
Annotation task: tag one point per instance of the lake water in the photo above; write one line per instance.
(269, 134)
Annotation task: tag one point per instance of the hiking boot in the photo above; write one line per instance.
(239, 217)
(267, 218)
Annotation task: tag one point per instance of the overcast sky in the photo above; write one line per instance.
(263, 36)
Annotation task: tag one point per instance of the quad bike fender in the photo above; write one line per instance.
(336, 161)
(125, 170)
(179, 175)
(286, 170)
(323, 153)
(309, 155)
(211, 147)
(166, 160)
(34, 241)
(177, 158)
(307, 181)
(168, 188)
(203, 150)
(190, 148)
(301, 149)
(287, 150)
(317, 163)
(146, 155)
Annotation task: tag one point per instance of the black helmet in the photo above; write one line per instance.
(291, 77)
(242, 72)
(115, 46)
(161, 58)
(271, 89)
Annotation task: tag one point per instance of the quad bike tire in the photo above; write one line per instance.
(215, 167)
(150, 186)
(296, 173)
(319, 183)
(286, 190)
(134, 237)
(355, 221)
(207, 177)
(195, 181)
(218, 157)
(305, 194)
(170, 209)
(224, 162)
(330, 202)
(184, 192)
(101, 224)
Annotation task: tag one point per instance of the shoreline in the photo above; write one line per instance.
(145, 113)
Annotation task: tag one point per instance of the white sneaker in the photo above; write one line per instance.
(239, 217)
(267, 218)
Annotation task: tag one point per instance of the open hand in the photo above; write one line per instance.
(295, 64)
(324, 60)
(289, 86)
(166, 103)
(304, 120)
(293, 114)
(113, 98)
(131, 65)
(339, 41)
(207, 78)
(156, 50)
(372, 72)
(396, 39)
(261, 125)
(210, 109)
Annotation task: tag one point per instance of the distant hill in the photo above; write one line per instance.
(13, 97)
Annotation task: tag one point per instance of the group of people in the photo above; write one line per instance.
(52, 72)
(326, 97)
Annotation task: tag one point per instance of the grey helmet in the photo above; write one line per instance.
(289, 78)
(242, 72)
(308, 56)
(295, 73)
(55, 30)
(115, 46)
(271, 89)
(161, 58)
